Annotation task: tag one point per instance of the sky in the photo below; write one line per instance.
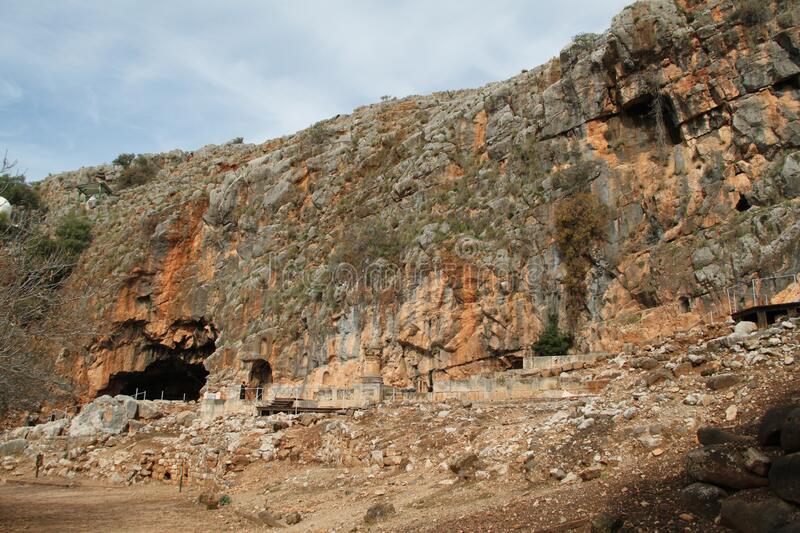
(83, 81)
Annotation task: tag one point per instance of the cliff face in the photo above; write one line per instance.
(425, 229)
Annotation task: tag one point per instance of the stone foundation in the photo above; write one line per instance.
(541, 377)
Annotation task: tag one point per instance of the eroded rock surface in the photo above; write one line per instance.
(424, 228)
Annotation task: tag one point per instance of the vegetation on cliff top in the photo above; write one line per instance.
(136, 170)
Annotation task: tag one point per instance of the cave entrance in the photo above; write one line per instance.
(742, 204)
(654, 111)
(259, 381)
(168, 379)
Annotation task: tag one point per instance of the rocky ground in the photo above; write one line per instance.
(549, 465)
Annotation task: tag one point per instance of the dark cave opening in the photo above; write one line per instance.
(258, 382)
(171, 372)
(642, 112)
(168, 379)
(668, 112)
(743, 204)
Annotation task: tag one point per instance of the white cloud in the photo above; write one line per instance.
(83, 80)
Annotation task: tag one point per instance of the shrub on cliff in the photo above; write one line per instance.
(580, 224)
(124, 160)
(552, 341)
(138, 172)
(72, 235)
(753, 12)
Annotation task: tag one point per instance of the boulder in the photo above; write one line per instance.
(757, 511)
(378, 512)
(209, 500)
(13, 447)
(105, 415)
(769, 429)
(790, 431)
(703, 500)
(593, 472)
(605, 523)
(292, 518)
(269, 519)
(647, 363)
(464, 465)
(48, 430)
(745, 328)
(149, 410)
(757, 462)
(722, 465)
(710, 435)
(19, 433)
(722, 381)
(185, 418)
(657, 376)
(784, 477)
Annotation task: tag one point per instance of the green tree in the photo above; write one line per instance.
(18, 193)
(580, 224)
(552, 341)
(124, 160)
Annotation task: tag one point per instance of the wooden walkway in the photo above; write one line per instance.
(764, 315)
(287, 405)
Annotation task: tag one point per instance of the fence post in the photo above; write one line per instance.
(162, 394)
(184, 397)
(730, 303)
(755, 298)
(136, 394)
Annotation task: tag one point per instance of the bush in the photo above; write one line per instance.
(72, 235)
(138, 172)
(585, 40)
(552, 341)
(753, 12)
(580, 223)
(18, 193)
(124, 160)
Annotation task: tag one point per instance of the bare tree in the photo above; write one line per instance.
(37, 313)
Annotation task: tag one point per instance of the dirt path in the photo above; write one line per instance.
(98, 507)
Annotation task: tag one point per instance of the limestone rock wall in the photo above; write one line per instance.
(423, 228)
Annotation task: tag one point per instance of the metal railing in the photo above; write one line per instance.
(142, 395)
(258, 396)
(758, 291)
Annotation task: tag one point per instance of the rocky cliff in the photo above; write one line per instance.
(440, 231)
